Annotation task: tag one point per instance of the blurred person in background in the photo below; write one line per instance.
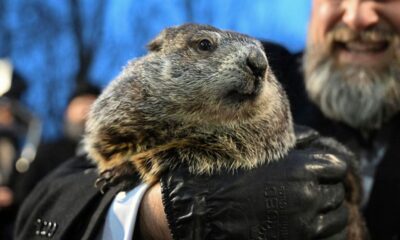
(14, 124)
(19, 173)
(8, 153)
(52, 153)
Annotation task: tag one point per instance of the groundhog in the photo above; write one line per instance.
(201, 97)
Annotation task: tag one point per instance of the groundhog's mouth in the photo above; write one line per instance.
(247, 93)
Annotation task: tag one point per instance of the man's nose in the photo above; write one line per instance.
(359, 14)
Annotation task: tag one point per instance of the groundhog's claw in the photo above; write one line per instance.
(103, 182)
(124, 173)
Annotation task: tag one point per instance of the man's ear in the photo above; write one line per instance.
(155, 45)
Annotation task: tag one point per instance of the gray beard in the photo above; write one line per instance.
(360, 97)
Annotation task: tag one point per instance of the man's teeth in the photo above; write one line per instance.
(365, 46)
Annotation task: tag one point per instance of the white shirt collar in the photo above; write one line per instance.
(121, 216)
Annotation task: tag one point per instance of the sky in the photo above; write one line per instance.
(53, 44)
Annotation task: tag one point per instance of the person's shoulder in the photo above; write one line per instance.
(277, 50)
(274, 47)
(58, 199)
(76, 169)
(280, 58)
(75, 165)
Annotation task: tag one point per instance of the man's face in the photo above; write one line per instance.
(352, 60)
(351, 17)
(76, 115)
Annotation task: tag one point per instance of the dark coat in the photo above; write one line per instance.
(383, 209)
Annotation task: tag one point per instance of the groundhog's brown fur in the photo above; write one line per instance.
(202, 97)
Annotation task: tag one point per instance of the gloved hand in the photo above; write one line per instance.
(298, 197)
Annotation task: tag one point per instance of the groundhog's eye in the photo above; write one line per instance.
(205, 45)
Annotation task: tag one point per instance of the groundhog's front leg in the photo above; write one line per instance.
(124, 173)
(147, 165)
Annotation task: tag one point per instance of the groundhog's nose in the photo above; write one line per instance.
(257, 62)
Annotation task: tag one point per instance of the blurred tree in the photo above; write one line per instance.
(86, 35)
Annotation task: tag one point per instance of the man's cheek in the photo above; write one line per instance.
(325, 15)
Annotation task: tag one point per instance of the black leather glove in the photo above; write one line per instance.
(298, 197)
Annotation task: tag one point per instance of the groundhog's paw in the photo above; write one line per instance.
(103, 182)
(123, 175)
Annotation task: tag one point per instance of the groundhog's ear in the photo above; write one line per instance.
(155, 45)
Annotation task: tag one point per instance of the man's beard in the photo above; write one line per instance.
(360, 96)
